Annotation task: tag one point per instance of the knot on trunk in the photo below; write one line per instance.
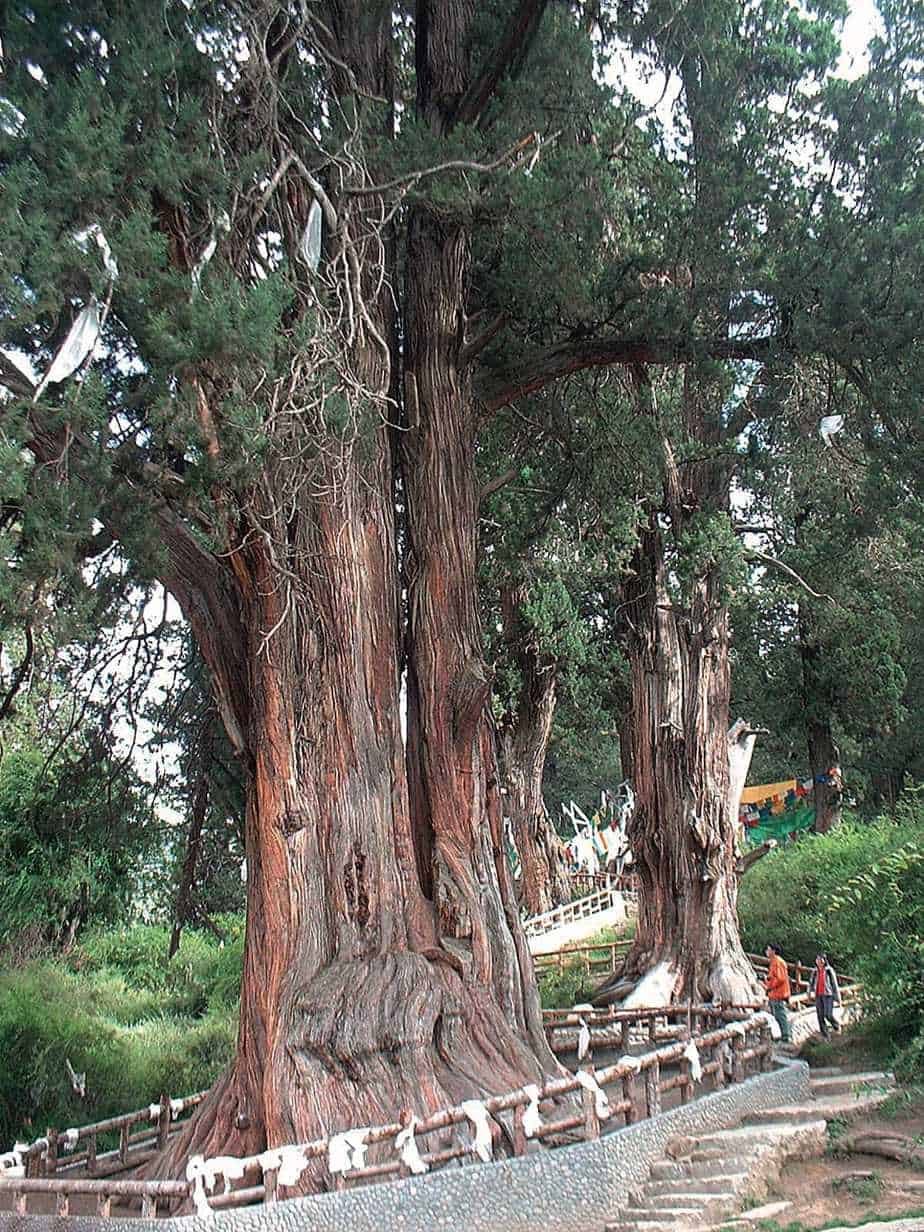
(354, 883)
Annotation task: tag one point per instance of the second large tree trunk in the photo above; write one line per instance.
(682, 832)
(544, 881)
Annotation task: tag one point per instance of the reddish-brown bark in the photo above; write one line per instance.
(682, 832)
(543, 881)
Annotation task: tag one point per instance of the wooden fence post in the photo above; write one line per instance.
(653, 1089)
(51, 1151)
(591, 1120)
(163, 1122)
(91, 1155)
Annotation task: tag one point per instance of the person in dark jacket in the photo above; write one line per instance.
(824, 989)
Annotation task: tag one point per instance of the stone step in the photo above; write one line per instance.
(835, 1107)
(826, 1071)
(710, 1205)
(850, 1084)
(658, 1214)
(721, 1183)
(648, 1225)
(722, 1165)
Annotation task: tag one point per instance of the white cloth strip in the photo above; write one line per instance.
(476, 1112)
(633, 1063)
(195, 1172)
(532, 1121)
(589, 1083)
(153, 1112)
(79, 343)
(11, 1163)
(288, 1162)
(70, 1139)
(583, 1040)
(347, 1151)
(767, 1017)
(177, 1106)
(406, 1146)
(736, 1028)
(692, 1055)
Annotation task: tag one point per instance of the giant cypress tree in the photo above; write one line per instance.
(237, 437)
(328, 222)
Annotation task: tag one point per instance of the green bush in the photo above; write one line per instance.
(858, 893)
(137, 1025)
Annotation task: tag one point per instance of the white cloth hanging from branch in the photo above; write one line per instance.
(79, 343)
(583, 1040)
(829, 427)
(309, 248)
(288, 1162)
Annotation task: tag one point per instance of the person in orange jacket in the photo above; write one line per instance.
(778, 990)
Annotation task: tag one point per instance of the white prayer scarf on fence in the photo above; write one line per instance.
(406, 1146)
(153, 1112)
(691, 1053)
(737, 1028)
(633, 1063)
(347, 1151)
(228, 1167)
(177, 1106)
(195, 1172)
(532, 1121)
(775, 1032)
(70, 1138)
(477, 1113)
(589, 1083)
(583, 1040)
(78, 344)
(288, 1162)
(11, 1163)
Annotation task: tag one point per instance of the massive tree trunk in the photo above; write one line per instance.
(456, 806)
(385, 967)
(682, 832)
(544, 881)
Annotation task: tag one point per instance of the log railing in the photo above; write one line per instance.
(48, 1162)
(622, 1093)
(603, 958)
(569, 913)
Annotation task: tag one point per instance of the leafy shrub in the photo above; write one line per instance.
(137, 1025)
(858, 893)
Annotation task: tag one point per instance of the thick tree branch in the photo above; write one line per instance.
(764, 559)
(549, 366)
(203, 585)
(509, 53)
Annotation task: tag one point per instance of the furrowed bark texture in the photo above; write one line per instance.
(682, 833)
(385, 967)
(543, 880)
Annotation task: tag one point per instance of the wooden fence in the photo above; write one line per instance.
(621, 1093)
(603, 958)
(568, 913)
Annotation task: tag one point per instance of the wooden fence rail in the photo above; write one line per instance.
(630, 1090)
